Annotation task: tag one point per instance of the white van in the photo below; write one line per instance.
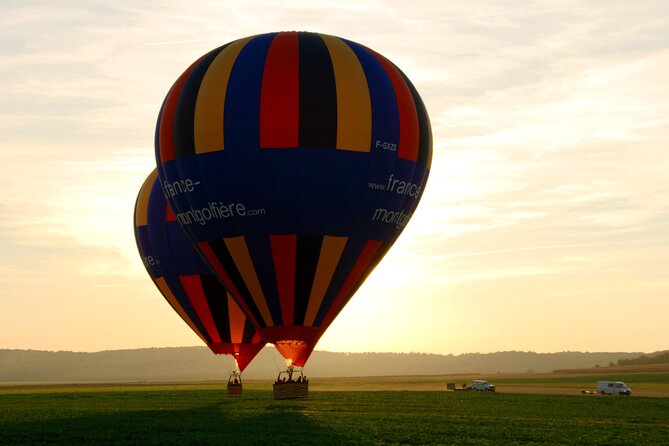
(480, 385)
(613, 388)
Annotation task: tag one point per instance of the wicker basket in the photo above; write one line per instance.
(287, 386)
(234, 390)
(283, 391)
(235, 384)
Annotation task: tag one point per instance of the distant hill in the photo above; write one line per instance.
(661, 357)
(198, 363)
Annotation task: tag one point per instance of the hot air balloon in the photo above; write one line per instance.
(187, 283)
(293, 160)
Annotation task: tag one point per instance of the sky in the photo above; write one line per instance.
(544, 225)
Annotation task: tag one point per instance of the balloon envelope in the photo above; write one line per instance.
(294, 161)
(186, 282)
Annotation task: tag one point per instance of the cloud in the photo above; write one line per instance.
(550, 127)
(79, 205)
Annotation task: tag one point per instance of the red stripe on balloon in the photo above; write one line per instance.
(360, 267)
(283, 253)
(195, 292)
(280, 93)
(246, 353)
(166, 132)
(169, 213)
(409, 127)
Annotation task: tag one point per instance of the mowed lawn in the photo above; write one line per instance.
(204, 414)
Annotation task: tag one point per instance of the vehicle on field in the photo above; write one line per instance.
(613, 388)
(479, 385)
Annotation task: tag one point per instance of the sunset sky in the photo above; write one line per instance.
(544, 225)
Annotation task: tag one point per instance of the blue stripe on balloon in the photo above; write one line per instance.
(348, 186)
(352, 251)
(385, 115)
(279, 172)
(147, 252)
(261, 255)
(242, 125)
(315, 188)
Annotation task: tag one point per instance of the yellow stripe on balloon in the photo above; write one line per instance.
(142, 206)
(354, 108)
(331, 251)
(210, 103)
(242, 259)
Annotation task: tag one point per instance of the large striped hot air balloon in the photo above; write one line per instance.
(293, 160)
(186, 282)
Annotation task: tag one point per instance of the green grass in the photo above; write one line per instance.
(188, 414)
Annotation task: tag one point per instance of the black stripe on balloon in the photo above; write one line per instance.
(383, 249)
(184, 115)
(308, 251)
(352, 251)
(318, 94)
(425, 142)
(249, 332)
(217, 299)
(225, 259)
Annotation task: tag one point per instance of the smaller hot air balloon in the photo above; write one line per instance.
(188, 284)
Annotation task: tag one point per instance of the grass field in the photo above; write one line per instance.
(201, 413)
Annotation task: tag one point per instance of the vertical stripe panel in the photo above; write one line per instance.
(221, 262)
(279, 97)
(283, 253)
(169, 214)
(259, 244)
(408, 147)
(425, 129)
(385, 117)
(193, 288)
(361, 266)
(142, 203)
(318, 94)
(242, 99)
(216, 296)
(308, 253)
(166, 134)
(210, 105)
(237, 321)
(331, 252)
(184, 116)
(354, 110)
(242, 259)
(172, 300)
